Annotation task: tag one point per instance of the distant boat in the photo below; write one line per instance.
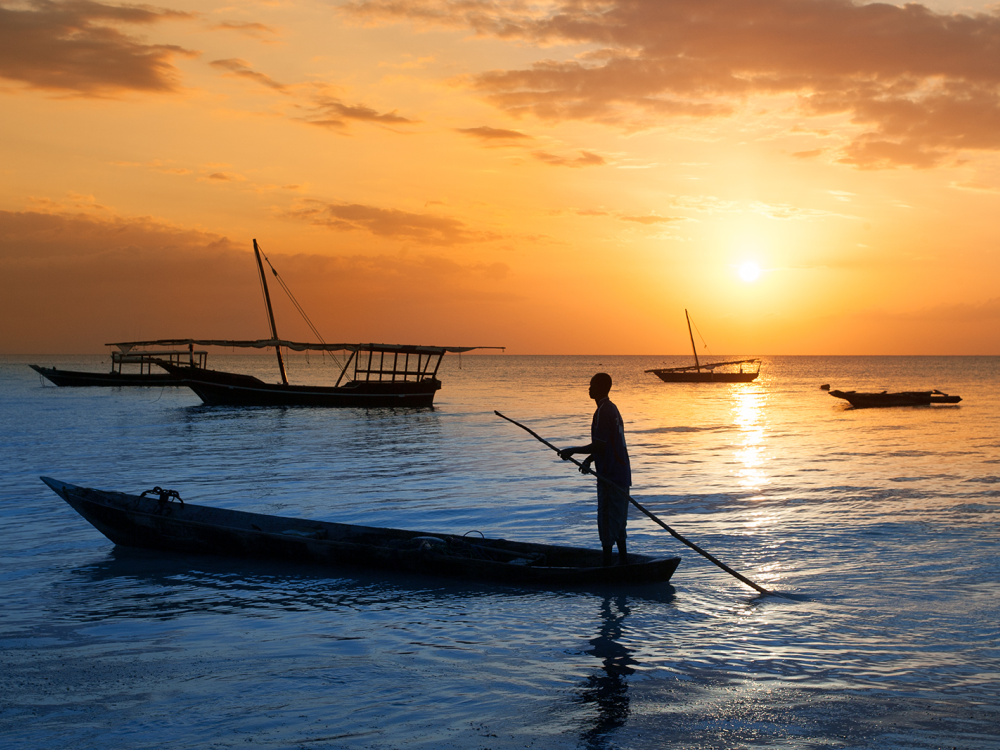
(903, 398)
(746, 369)
(381, 375)
(146, 360)
(166, 523)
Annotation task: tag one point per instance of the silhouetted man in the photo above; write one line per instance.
(607, 449)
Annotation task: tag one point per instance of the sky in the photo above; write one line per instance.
(804, 176)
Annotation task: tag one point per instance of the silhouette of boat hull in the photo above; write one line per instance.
(903, 398)
(218, 388)
(75, 378)
(710, 376)
(161, 524)
(119, 376)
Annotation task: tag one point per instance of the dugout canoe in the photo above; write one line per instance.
(903, 398)
(165, 522)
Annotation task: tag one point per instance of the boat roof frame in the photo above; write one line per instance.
(383, 360)
(298, 346)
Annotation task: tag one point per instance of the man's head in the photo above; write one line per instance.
(600, 386)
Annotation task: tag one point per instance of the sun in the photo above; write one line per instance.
(749, 271)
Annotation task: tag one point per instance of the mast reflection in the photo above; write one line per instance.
(608, 688)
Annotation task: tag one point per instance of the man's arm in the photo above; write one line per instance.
(594, 449)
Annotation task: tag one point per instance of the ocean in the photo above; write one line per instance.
(878, 527)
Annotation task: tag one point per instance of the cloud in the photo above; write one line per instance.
(331, 112)
(254, 30)
(225, 177)
(241, 69)
(486, 133)
(323, 110)
(651, 219)
(77, 47)
(429, 229)
(974, 185)
(644, 219)
(917, 86)
(585, 159)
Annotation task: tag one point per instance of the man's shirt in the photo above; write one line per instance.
(607, 426)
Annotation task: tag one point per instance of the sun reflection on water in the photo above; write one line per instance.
(750, 454)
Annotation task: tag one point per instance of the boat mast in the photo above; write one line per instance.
(688, 317)
(270, 312)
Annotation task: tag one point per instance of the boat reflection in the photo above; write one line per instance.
(140, 584)
(607, 689)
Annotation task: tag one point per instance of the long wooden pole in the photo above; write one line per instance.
(632, 500)
(270, 312)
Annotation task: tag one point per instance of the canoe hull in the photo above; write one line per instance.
(144, 522)
(218, 388)
(75, 378)
(903, 398)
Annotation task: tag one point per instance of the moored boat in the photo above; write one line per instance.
(734, 371)
(902, 398)
(381, 375)
(374, 375)
(118, 376)
(167, 523)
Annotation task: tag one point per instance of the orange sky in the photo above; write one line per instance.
(552, 177)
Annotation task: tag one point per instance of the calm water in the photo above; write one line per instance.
(880, 526)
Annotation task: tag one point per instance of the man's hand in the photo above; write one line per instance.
(585, 466)
(565, 453)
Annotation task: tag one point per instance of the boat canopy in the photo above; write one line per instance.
(127, 346)
(384, 362)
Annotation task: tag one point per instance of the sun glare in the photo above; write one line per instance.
(749, 272)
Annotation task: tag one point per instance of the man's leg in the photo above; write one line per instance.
(603, 530)
(622, 553)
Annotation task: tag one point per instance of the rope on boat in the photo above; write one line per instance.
(165, 495)
(335, 359)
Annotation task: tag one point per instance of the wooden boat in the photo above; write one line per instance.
(746, 369)
(382, 374)
(146, 376)
(903, 398)
(166, 523)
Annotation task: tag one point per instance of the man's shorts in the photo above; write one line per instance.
(612, 513)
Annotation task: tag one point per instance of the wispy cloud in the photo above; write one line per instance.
(328, 111)
(254, 30)
(242, 69)
(585, 159)
(486, 133)
(650, 219)
(320, 108)
(430, 229)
